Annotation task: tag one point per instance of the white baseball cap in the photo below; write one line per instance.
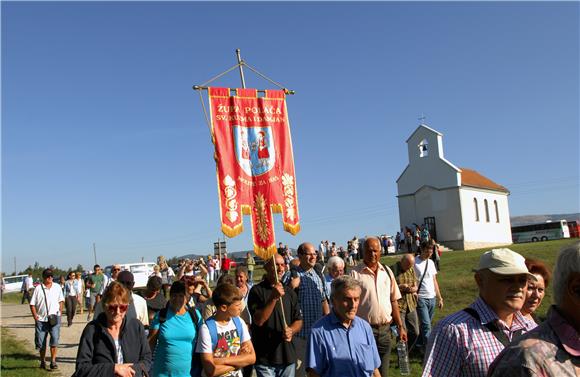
(504, 262)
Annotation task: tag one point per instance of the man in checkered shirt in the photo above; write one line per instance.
(312, 295)
(466, 343)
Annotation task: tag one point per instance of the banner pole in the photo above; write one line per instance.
(280, 299)
(241, 69)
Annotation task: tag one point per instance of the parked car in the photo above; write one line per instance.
(141, 272)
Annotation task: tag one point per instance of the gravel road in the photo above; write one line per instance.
(18, 320)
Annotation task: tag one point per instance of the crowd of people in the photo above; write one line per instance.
(315, 318)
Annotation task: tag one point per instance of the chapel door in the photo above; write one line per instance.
(430, 224)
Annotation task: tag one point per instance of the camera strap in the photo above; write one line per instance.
(45, 300)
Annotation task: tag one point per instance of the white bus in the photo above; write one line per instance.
(553, 230)
(141, 271)
(13, 283)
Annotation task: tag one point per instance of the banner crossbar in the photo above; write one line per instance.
(286, 91)
(240, 65)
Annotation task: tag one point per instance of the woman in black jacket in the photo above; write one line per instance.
(112, 345)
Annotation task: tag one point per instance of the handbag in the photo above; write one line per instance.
(52, 318)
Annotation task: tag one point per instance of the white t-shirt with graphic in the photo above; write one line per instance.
(228, 342)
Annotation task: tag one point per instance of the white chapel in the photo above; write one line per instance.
(461, 208)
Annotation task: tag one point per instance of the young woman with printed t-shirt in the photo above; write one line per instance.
(225, 336)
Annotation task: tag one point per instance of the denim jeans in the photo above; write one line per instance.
(425, 311)
(41, 331)
(275, 370)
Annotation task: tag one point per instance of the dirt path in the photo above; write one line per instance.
(18, 320)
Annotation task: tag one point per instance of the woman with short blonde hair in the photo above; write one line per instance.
(112, 345)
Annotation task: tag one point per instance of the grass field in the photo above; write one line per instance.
(12, 298)
(18, 361)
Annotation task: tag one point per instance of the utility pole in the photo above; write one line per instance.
(15, 266)
(95, 252)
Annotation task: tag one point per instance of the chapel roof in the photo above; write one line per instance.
(472, 178)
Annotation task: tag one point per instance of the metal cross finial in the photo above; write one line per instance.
(422, 118)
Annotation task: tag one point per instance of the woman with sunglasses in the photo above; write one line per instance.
(173, 335)
(112, 345)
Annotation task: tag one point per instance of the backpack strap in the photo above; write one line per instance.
(320, 274)
(391, 276)
(212, 327)
(239, 327)
(195, 319)
(163, 314)
(492, 327)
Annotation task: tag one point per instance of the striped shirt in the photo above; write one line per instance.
(460, 345)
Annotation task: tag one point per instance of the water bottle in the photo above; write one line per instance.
(403, 358)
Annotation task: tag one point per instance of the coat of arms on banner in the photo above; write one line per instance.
(255, 165)
(255, 149)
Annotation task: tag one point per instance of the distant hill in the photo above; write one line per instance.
(532, 219)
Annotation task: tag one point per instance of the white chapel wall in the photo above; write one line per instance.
(484, 233)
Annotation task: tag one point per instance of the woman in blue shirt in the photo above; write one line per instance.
(173, 335)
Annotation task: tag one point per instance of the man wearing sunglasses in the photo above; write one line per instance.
(115, 272)
(47, 300)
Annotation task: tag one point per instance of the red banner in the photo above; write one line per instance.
(255, 165)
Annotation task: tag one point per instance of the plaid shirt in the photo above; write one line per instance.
(408, 303)
(311, 293)
(461, 346)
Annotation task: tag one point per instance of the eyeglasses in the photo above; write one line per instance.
(113, 307)
(116, 269)
(309, 254)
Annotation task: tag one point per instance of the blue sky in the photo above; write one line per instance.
(103, 139)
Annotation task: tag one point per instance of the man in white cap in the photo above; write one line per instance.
(465, 343)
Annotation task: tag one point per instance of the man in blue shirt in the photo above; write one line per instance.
(342, 344)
